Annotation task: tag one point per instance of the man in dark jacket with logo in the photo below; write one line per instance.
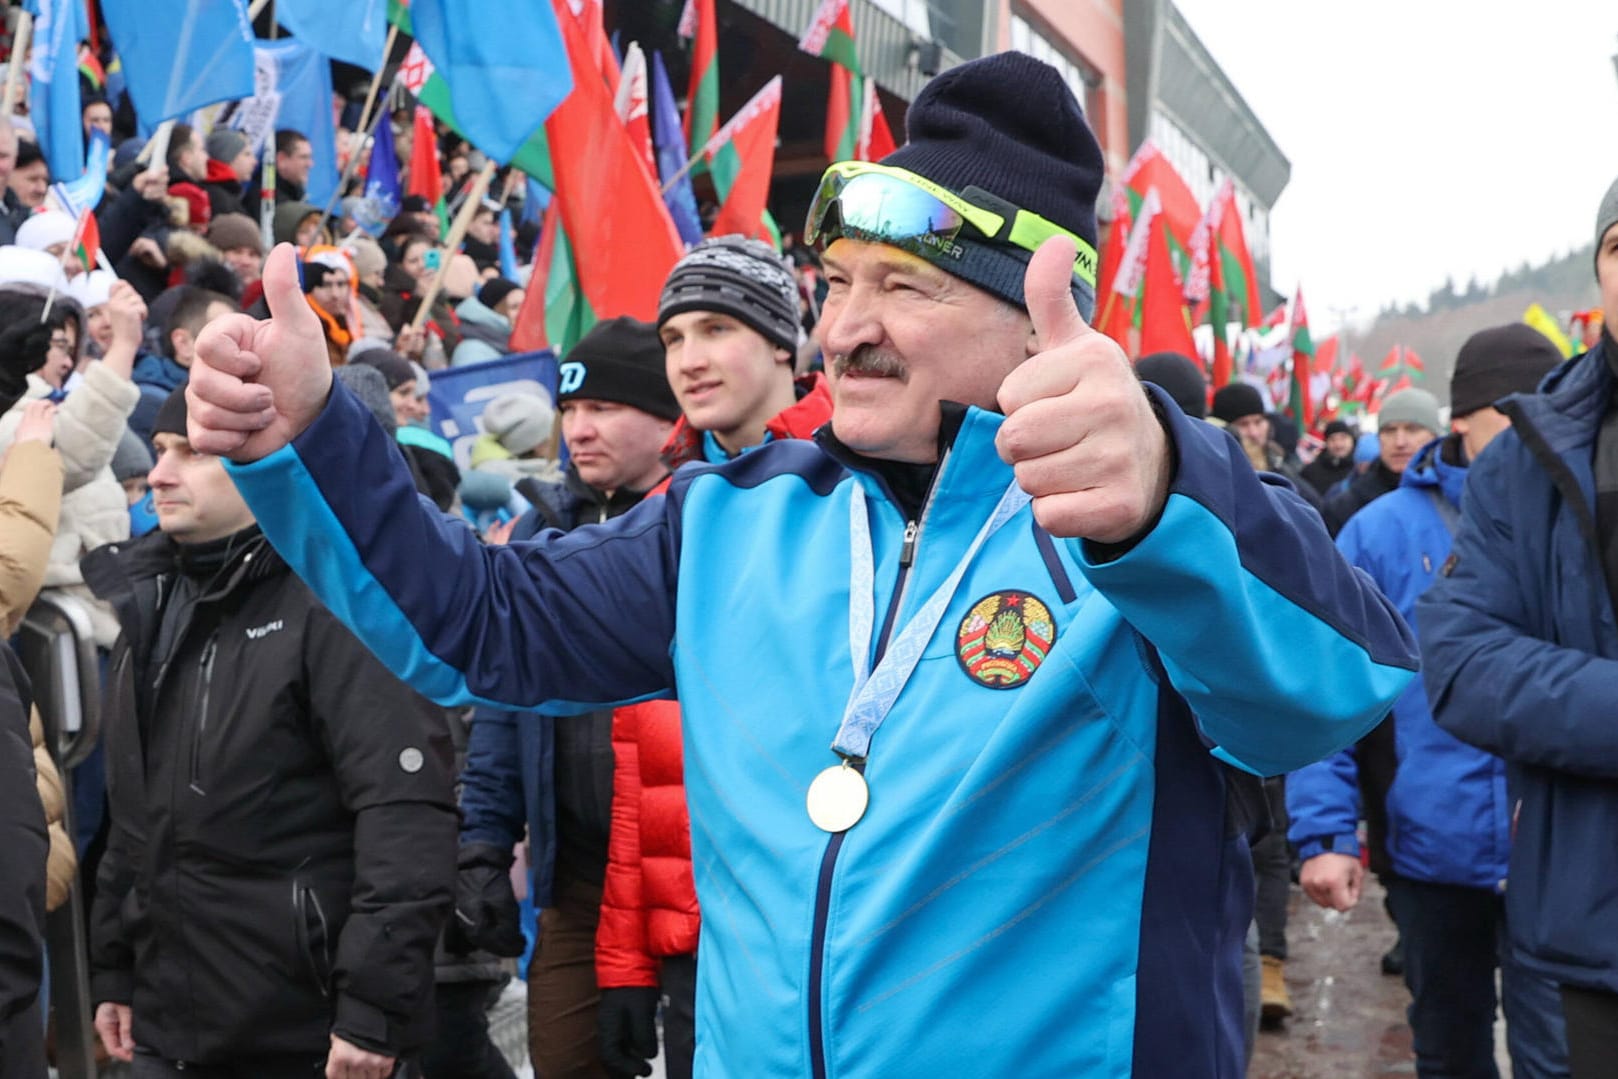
(282, 811)
(1521, 651)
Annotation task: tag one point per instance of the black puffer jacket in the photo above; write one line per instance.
(22, 882)
(283, 816)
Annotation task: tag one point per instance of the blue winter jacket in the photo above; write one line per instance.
(1522, 660)
(1048, 864)
(1449, 819)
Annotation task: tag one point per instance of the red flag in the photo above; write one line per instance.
(1115, 312)
(1235, 257)
(622, 236)
(698, 21)
(842, 137)
(1149, 169)
(876, 138)
(425, 179)
(744, 152)
(1164, 325)
(528, 328)
(630, 103)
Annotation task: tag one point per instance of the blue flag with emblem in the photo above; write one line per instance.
(670, 140)
(381, 199)
(504, 64)
(59, 26)
(179, 55)
(352, 31)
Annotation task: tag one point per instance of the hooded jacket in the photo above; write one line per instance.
(1448, 815)
(485, 333)
(1521, 651)
(649, 901)
(282, 813)
(1088, 797)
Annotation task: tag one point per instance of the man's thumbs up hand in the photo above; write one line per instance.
(255, 385)
(1080, 430)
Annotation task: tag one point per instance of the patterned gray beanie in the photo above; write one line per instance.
(737, 276)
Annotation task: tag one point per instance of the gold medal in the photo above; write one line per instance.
(837, 798)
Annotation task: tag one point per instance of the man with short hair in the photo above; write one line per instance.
(1441, 808)
(293, 159)
(1335, 462)
(159, 374)
(282, 810)
(1240, 407)
(187, 157)
(1519, 641)
(30, 177)
(12, 212)
(957, 677)
(1406, 421)
(617, 412)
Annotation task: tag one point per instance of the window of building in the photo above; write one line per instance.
(1081, 78)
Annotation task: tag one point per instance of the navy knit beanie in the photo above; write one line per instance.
(1010, 125)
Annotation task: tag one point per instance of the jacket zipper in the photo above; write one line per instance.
(209, 650)
(828, 861)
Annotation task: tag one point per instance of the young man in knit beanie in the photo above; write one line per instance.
(980, 664)
(1439, 812)
(1518, 640)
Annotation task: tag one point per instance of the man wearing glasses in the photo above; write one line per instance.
(965, 679)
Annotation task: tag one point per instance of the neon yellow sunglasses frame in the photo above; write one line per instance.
(1002, 222)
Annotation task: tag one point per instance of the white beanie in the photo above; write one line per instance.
(39, 231)
(519, 421)
(27, 266)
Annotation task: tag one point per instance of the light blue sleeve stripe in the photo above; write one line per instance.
(1273, 685)
(308, 535)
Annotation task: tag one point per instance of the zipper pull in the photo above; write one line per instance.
(907, 554)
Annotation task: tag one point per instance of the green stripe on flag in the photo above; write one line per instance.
(839, 49)
(533, 157)
(704, 108)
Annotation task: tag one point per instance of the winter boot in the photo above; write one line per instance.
(1275, 1004)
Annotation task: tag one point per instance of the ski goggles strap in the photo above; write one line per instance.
(884, 204)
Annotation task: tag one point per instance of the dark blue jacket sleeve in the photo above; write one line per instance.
(492, 807)
(1490, 682)
(562, 624)
(1285, 652)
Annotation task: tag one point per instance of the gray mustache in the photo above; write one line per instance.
(869, 360)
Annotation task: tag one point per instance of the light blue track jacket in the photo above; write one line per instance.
(1045, 882)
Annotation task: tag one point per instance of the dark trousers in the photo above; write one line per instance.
(679, 1015)
(151, 1066)
(1592, 1032)
(461, 1048)
(563, 1041)
(1454, 937)
(1272, 866)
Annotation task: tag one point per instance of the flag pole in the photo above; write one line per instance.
(19, 52)
(457, 232)
(376, 80)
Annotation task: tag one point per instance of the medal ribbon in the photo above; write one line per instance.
(875, 691)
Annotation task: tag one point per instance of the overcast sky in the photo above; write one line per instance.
(1427, 138)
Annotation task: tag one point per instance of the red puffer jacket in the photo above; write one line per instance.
(649, 901)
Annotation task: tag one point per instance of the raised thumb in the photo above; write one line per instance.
(283, 294)
(1048, 294)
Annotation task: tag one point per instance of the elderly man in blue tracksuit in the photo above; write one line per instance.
(1447, 809)
(1522, 650)
(957, 783)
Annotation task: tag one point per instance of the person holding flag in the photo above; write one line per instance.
(1067, 631)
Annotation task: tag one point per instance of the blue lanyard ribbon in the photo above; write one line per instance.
(875, 691)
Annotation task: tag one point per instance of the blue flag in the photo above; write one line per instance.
(352, 31)
(504, 64)
(508, 247)
(381, 200)
(83, 193)
(179, 55)
(537, 196)
(59, 26)
(296, 77)
(666, 133)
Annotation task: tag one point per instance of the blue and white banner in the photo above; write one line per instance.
(458, 395)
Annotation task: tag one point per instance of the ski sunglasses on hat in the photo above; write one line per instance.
(883, 204)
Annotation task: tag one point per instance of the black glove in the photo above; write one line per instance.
(486, 911)
(627, 1019)
(24, 339)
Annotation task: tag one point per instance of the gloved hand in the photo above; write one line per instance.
(627, 1019)
(486, 912)
(24, 339)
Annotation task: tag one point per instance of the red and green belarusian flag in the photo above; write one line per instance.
(554, 313)
(1148, 168)
(1165, 324)
(698, 23)
(1300, 403)
(622, 240)
(741, 159)
(830, 36)
(1401, 362)
(426, 179)
(1115, 308)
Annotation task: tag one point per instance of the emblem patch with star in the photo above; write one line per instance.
(1004, 638)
